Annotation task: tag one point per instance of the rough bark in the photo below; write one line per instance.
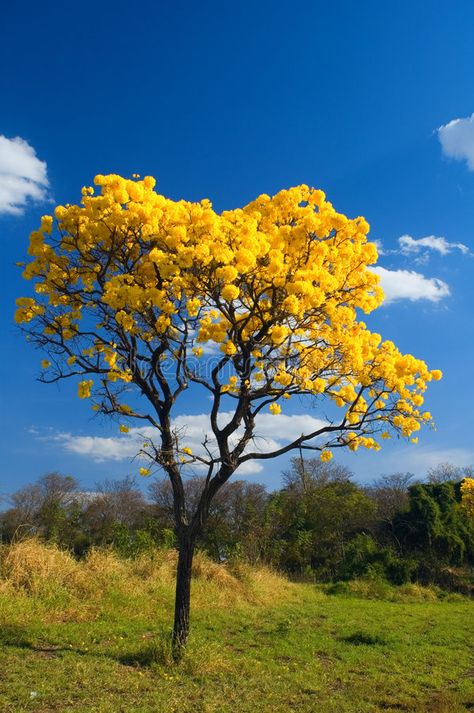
(187, 534)
(183, 593)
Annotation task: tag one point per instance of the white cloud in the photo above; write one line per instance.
(457, 140)
(400, 457)
(271, 433)
(419, 459)
(99, 448)
(412, 246)
(410, 285)
(379, 245)
(23, 177)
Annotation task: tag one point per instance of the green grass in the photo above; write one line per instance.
(270, 647)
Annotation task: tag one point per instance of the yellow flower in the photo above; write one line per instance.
(124, 429)
(193, 306)
(71, 360)
(144, 472)
(279, 334)
(230, 292)
(283, 378)
(227, 274)
(188, 451)
(467, 492)
(162, 323)
(325, 456)
(45, 363)
(84, 388)
(228, 348)
(46, 224)
(125, 320)
(275, 409)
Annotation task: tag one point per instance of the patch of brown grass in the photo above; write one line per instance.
(29, 565)
(32, 567)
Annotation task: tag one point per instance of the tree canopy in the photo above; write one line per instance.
(135, 288)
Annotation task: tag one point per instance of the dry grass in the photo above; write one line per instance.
(32, 567)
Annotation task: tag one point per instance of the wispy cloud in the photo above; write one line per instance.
(413, 246)
(410, 285)
(420, 248)
(271, 433)
(420, 459)
(457, 140)
(23, 177)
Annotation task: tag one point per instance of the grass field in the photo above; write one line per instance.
(92, 636)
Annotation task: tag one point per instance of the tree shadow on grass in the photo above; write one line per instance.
(362, 638)
(146, 654)
(16, 636)
(159, 652)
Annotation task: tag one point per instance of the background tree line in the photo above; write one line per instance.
(319, 525)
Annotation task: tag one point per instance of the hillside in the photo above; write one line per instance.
(91, 636)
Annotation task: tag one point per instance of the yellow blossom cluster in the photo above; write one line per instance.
(325, 456)
(277, 287)
(467, 492)
(84, 388)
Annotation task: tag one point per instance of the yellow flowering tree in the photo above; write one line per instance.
(467, 495)
(138, 293)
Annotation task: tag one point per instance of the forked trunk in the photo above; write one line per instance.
(183, 594)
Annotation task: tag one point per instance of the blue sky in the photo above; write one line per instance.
(226, 101)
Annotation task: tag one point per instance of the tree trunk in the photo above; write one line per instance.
(183, 594)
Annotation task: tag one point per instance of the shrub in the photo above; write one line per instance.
(365, 558)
